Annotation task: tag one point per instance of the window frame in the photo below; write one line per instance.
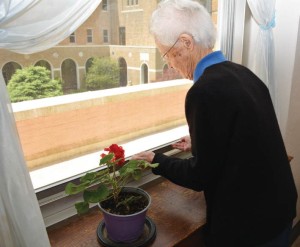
(122, 35)
(56, 205)
(89, 35)
(105, 36)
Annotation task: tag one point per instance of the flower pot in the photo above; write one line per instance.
(126, 228)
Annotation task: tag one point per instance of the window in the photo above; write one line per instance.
(105, 36)
(9, 69)
(122, 35)
(89, 36)
(96, 111)
(104, 5)
(45, 64)
(72, 38)
(74, 133)
(144, 74)
(132, 2)
(69, 75)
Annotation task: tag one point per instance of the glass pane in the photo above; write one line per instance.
(115, 90)
(72, 38)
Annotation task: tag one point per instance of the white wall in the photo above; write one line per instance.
(285, 39)
(287, 67)
(292, 137)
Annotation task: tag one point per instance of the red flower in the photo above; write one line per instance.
(118, 152)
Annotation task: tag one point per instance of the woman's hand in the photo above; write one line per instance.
(184, 144)
(146, 155)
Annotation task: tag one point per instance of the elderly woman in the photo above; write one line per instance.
(238, 155)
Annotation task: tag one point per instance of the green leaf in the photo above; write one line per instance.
(72, 189)
(129, 167)
(82, 207)
(106, 158)
(88, 177)
(153, 165)
(98, 195)
(137, 174)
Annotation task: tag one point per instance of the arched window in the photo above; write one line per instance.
(165, 72)
(43, 63)
(170, 74)
(88, 64)
(123, 72)
(9, 69)
(69, 75)
(144, 74)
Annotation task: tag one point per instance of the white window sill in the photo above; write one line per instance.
(48, 177)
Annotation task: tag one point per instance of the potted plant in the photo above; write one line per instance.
(124, 208)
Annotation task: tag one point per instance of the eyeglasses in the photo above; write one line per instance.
(166, 53)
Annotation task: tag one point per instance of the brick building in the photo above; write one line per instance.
(118, 29)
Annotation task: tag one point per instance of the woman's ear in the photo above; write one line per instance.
(187, 40)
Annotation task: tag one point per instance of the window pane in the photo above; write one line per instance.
(105, 36)
(104, 4)
(122, 36)
(115, 90)
(72, 38)
(89, 33)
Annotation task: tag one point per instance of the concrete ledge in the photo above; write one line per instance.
(60, 128)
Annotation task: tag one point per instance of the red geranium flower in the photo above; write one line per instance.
(119, 154)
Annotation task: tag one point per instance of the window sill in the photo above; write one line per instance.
(177, 212)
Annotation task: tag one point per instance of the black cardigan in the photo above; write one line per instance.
(239, 159)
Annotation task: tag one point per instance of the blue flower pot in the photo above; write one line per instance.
(126, 228)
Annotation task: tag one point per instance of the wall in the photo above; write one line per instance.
(59, 128)
(293, 121)
(285, 38)
(287, 65)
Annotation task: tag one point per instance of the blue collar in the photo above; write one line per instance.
(210, 59)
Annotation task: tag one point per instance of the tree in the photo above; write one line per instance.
(103, 73)
(33, 82)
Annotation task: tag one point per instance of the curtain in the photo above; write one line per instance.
(226, 27)
(21, 220)
(262, 62)
(28, 26)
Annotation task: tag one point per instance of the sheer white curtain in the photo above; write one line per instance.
(226, 26)
(27, 26)
(231, 28)
(263, 12)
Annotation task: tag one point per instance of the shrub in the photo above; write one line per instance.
(104, 73)
(33, 82)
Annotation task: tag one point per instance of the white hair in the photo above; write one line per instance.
(175, 17)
